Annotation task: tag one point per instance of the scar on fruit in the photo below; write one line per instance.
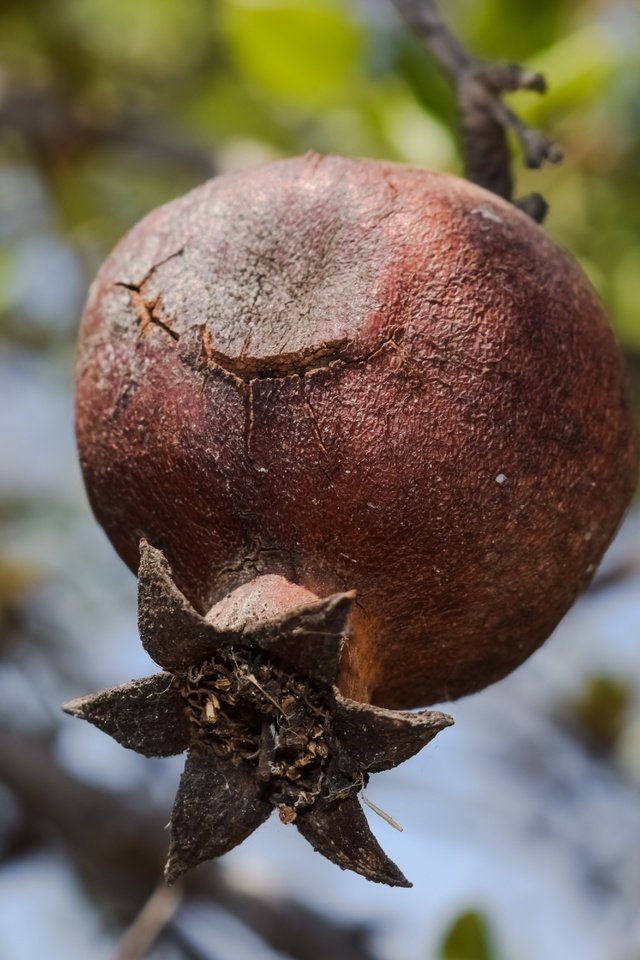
(252, 700)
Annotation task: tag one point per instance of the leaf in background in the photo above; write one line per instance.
(417, 136)
(468, 938)
(598, 714)
(495, 26)
(154, 37)
(625, 278)
(16, 579)
(577, 67)
(300, 51)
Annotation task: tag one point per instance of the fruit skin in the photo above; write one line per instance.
(359, 375)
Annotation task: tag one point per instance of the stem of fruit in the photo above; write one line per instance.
(483, 117)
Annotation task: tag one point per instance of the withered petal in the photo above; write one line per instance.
(340, 832)
(378, 739)
(172, 632)
(146, 715)
(217, 806)
(309, 638)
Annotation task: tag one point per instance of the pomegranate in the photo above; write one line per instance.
(370, 426)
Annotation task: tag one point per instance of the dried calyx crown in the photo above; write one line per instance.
(248, 690)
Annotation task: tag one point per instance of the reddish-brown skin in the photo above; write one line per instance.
(359, 375)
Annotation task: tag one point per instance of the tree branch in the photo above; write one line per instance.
(56, 130)
(117, 844)
(484, 119)
(152, 919)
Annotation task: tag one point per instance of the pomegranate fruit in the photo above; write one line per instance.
(329, 375)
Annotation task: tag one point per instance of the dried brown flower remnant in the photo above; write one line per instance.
(254, 705)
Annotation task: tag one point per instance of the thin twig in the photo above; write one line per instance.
(188, 949)
(484, 118)
(381, 813)
(614, 575)
(120, 841)
(150, 922)
(56, 130)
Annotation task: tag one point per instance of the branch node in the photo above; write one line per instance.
(484, 118)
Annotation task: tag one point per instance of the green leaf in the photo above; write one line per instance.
(599, 713)
(416, 135)
(468, 938)
(577, 68)
(299, 51)
(160, 37)
(626, 296)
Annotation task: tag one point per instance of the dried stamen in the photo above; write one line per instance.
(244, 704)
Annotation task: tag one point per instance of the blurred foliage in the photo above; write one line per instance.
(598, 715)
(16, 580)
(468, 938)
(297, 54)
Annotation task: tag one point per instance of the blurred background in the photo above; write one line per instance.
(521, 823)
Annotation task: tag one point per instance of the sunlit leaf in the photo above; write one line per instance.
(468, 938)
(300, 51)
(418, 137)
(598, 714)
(16, 578)
(154, 36)
(577, 68)
(626, 293)
(496, 28)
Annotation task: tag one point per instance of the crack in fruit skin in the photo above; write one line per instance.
(358, 351)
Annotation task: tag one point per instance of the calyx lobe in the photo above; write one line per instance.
(249, 692)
